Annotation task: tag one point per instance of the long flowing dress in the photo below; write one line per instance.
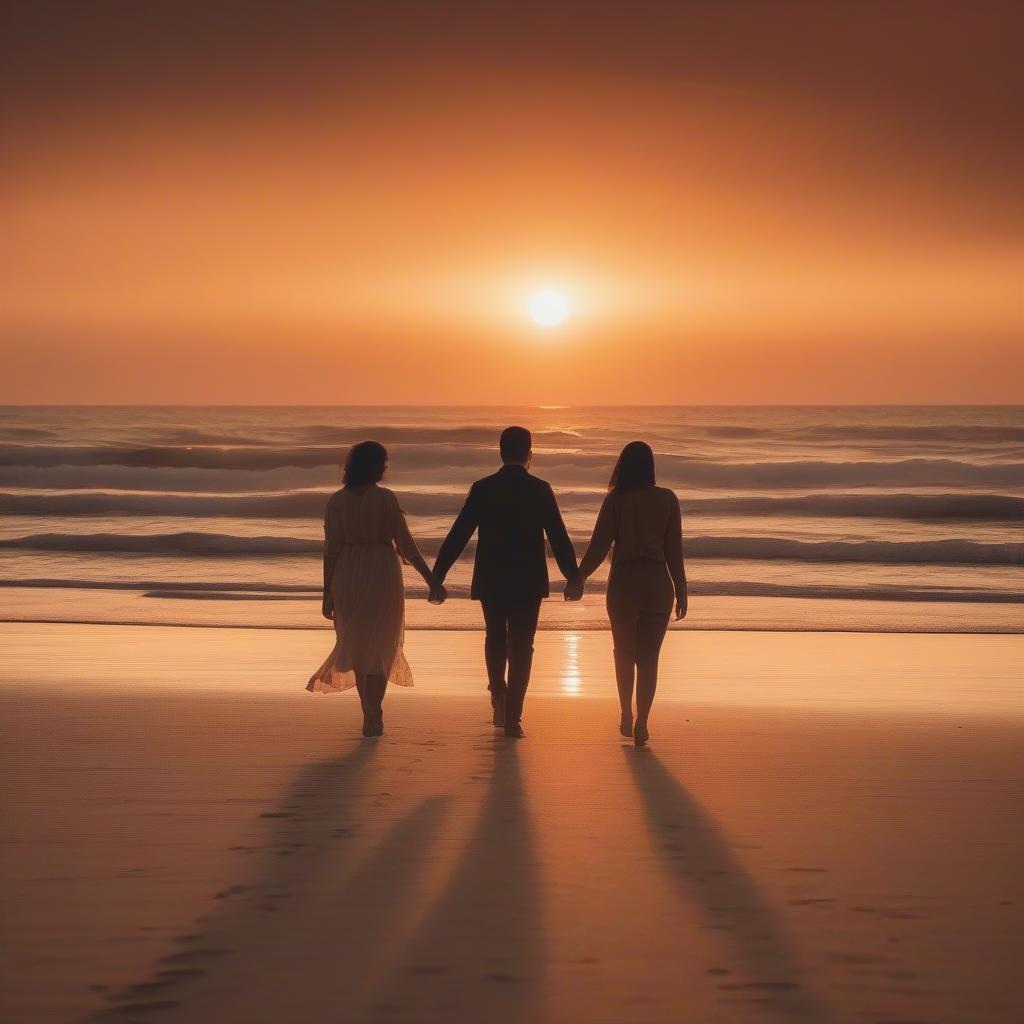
(365, 532)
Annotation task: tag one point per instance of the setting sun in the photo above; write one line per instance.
(548, 308)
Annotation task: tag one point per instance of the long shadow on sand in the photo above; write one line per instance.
(479, 952)
(253, 956)
(765, 973)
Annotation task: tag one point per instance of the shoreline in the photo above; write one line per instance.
(833, 673)
(584, 627)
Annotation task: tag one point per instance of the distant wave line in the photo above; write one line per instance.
(486, 435)
(310, 504)
(938, 552)
(674, 469)
(343, 435)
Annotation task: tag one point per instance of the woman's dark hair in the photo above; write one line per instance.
(634, 468)
(365, 464)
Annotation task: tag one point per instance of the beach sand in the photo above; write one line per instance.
(826, 827)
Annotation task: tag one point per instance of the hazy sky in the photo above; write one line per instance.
(335, 203)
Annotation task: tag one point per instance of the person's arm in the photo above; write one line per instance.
(330, 557)
(407, 548)
(558, 537)
(674, 557)
(601, 541)
(458, 536)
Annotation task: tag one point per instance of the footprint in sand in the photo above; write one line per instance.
(760, 986)
(234, 890)
(164, 980)
(904, 1020)
(128, 1009)
(189, 956)
(181, 973)
(891, 915)
(861, 959)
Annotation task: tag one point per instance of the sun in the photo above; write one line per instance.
(548, 308)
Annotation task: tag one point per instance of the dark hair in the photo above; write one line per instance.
(365, 463)
(515, 444)
(634, 468)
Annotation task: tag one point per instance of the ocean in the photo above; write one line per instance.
(794, 518)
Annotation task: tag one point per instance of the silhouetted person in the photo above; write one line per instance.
(647, 577)
(512, 511)
(366, 539)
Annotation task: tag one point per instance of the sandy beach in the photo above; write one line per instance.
(190, 837)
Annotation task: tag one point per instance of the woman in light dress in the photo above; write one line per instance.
(647, 580)
(366, 539)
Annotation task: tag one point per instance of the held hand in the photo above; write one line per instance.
(574, 590)
(681, 604)
(438, 594)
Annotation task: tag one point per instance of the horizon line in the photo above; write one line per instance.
(545, 407)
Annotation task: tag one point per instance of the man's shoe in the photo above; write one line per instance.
(515, 731)
(498, 704)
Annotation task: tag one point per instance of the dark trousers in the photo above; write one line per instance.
(509, 645)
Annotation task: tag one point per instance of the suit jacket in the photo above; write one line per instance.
(512, 511)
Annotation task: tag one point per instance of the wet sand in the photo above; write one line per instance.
(826, 828)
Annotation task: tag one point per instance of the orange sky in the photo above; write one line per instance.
(326, 203)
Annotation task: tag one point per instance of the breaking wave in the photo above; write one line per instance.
(674, 469)
(936, 552)
(309, 504)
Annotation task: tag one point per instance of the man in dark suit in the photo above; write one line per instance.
(512, 511)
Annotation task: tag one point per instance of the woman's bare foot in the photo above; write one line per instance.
(626, 724)
(640, 734)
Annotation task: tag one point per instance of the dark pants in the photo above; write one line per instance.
(509, 642)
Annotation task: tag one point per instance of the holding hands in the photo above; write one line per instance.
(438, 594)
(574, 589)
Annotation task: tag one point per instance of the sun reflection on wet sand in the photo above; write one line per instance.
(571, 681)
